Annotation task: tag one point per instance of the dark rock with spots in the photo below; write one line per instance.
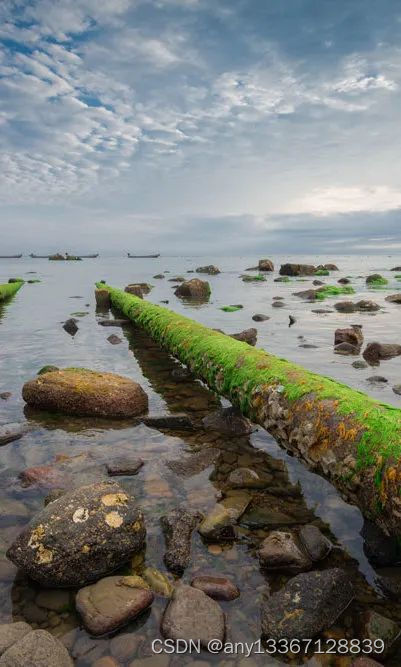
(259, 317)
(159, 276)
(70, 326)
(278, 304)
(210, 269)
(178, 526)
(124, 465)
(111, 603)
(265, 265)
(218, 588)
(297, 270)
(228, 421)
(54, 494)
(36, 649)
(83, 535)
(114, 340)
(281, 551)
(176, 422)
(191, 614)
(195, 288)
(376, 352)
(306, 605)
(352, 335)
(247, 336)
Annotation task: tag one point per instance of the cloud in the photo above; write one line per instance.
(332, 200)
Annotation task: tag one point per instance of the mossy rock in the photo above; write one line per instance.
(322, 272)
(48, 369)
(251, 279)
(86, 393)
(195, 288)
(16, 280)
(376, 280)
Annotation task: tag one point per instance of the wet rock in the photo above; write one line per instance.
(135, 290)
(346, 349)
(247, 478)
(220, 522)
(359, 364)
(48, 369)
(105, 661)
(178, 526)
(70, 326)
(389, 580)
(5, 395)
(378, 379)
(195, 463)
(281, 551)
(345, 307)
(322, 311)
(278, 304)
(114, 340)
(83, 535)
(11, 633)
(352, 335)
(194, 288)
(393, 298)
(397, 389)
(297, 270)
(307, 294)
(113, 322)
(64, 472)
(228, 421)
(327, 267)
(177, 422)
(265, 265)
(55, 599)
(366, 662)
(317, 282)
(193, 615)
(111, 603)
(102, 297)
(292, 320)
(306, 605)
(376, 352)
(124, 646)
(344, 281)
(218, 588)
(12, 431)
(266, 516)
(314, 542)
(380, 549)
(375, 626)
(367, 306)
(308, 346)
(374, 278)
(158, 582)
(53, 495)
(86, 393)
(282, 279)
(33, 614)
(36, 648)
(210, 269)
(124, 465)
(259, 317)
(396, 268)
(247, 336)
(159, 276)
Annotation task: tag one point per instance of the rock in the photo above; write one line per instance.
(396, 268)
(397, 389)
(124, 646)
(70, 326)
(297, 270)
(308, 294)
(178, 526)
(11, 633)
(36, 648)
(359, 363)
(218, 588)
(375, 626)
(159, 276)
(86, 393)
(346, 349)
(219, 523)
(124, 465)
(376, 352)
(393, 298)
(228, 421)
(5, 395)
(281, 552)
(306, 605)
(53, 495)
(12, 431)
(105, 661)
(111, 603)
(278, 304)
(379, 379)
(114, 322)
(259, 317)
(135, 289)
(366, 662)
(352, 335)
(292, 320)
(210, 269)
(345, 307)
(247, 336)
(102, 297)
(55, 599)
(322, 311)
(367, 306)
(375, 278)
(318, 282)
(194, 288)
(193, 615)
(344, 281)
(265, 265)
(247, 478)
(379, 548)
(83, 535)
(177, 422)
(64, 472)
(48, 369)
(195, 463)
(266, 516)
(282, 279)
(314, 542)
(158, 582)
(389, 580)
(328, 267)
(114, 340)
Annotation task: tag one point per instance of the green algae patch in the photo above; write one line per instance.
(251, 279)
(230, 309)
(333, 290)
(322, 272)
(9, 289)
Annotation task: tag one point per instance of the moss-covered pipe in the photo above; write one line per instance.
(9, 289)
(343, 434)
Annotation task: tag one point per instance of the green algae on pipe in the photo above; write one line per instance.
(9, 289)
(341, 433)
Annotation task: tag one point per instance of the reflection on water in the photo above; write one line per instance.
(60, 448)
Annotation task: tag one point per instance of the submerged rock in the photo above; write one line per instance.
(281, 551)
(393, 298)
(36, 648)
(114, 340)
(177, 422)
(220, 522)
(86, 393)
(297, 270)
(111, 603)
(158, 582)
(259, 317)
(376, 352)
(374, 626)
(360, 364)
(210, 269)
(247, 336)
(114, 322)
(314, 542)
(346, 349)
(306, 605)
(192, 614)
(178, 526)
(194, 288)
(247, 478)
(352, 335)
(124, 465)
(218, 588)
(83, 535)
(70, 326)
(12, 431)
(195, 463)
(365, 305)
(228, 421)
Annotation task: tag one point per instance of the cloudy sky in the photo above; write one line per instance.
(200, 126)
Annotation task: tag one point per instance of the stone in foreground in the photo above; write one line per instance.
(218, 588)
(281, 552)
(178, 526)
(86, 393)
(194, 288)
(111, 603)
(83, 535)
(36, 649)
(306, 605)
(11, 633)
(193, 615)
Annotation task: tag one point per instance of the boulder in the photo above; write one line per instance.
(280, 551)
(195, 288)
(124, 465)
(102, 297)
(375, 278)
(309, 603)
(135, 289)
(210, 269)
(111, 603)
(218, 588)
(70, 326)
(352, 335)
(11, 633)
(36, 648)
(247, 336)
(297, 270)
(83, 535)
(394, 298)
(376, 352)
(114, 340)
(259, 317)
(86, 393)
(178, 526)
(219, 523)
(191, 614)
(228, 421)
(314, 542)
(346, 348)
(345, 307)
(367, 306)
(265, 265)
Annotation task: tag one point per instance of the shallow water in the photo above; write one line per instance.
(31, 336)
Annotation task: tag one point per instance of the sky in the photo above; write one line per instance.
(200, 126)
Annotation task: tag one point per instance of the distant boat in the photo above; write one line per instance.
(143, 256)
(11, 256)
(88, 256)
(39, 256)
